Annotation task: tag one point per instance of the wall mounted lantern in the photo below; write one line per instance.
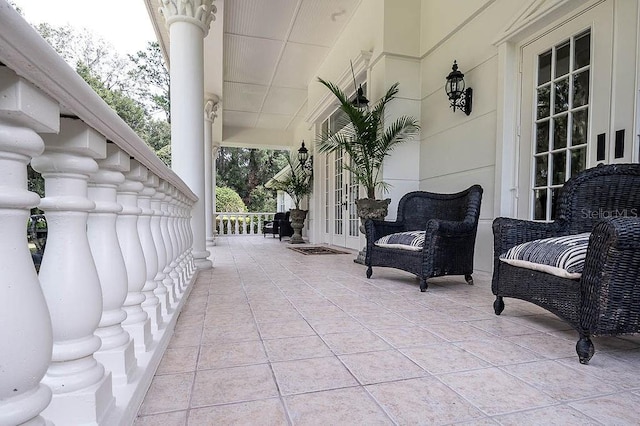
(303, 154)
(459, 97)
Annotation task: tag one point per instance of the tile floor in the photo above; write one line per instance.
(274, 337)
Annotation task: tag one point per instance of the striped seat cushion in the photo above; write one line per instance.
(411, 240)
(560, 256)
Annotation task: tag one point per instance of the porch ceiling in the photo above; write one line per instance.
(261, 55)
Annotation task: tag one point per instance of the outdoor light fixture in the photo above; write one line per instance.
(458, 96)
(303, 154)
(360, 100)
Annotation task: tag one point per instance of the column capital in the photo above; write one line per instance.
(211, 104)
(197, 12)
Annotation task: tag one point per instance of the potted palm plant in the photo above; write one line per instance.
(298, 183)
(367, 139)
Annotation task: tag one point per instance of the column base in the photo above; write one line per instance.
(121, 362)
(26, 407)
(201, 260)
(84, 406)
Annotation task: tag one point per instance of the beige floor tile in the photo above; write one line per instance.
(168, 393)
(558, 381)
(281, 329)
(291, 348)
(498, 351)
(354, 342)
(189, 320)
(230, 333)
(177, 418)
(443, 358)
(311, 375)
(544, 322)
(347, 406)
(381, 366)
(494, 391)
(618, 409)
(557, 415)
(502, 327)
(403, 337)
(456, 331)
(547, 345)
(266, 412)
(612, 368)
(179, 360)
(338, 325)
(386, 320)
(231, 354)
(422, 401)
(235, 384)
(186, 336)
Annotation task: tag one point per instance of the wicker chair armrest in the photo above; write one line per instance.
(611, 297)
(376, 229)
(509, 232)
(450, 227)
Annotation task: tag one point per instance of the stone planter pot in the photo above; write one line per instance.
(297, 217)
(370, 208)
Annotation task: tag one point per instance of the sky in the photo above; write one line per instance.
(123, 23)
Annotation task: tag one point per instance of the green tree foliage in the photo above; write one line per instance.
(152, 74)
(228, 200)
(246, 170)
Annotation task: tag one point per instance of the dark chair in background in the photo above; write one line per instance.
(273, 226)
(433, 235)
(600, 296)
(284, 228)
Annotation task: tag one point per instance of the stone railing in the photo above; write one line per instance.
(82, 339)
(235, 223)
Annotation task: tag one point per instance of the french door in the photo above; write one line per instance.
(344, 191)
(565, 112)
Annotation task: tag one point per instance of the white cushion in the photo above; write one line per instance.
(411, 240)
(560, 256)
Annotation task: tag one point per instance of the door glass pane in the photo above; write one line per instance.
(540, 204)
(581, 89)
(578, 160)
(544, 68)
(560, 132)
(562, 59)
(542, 137)
(559, 167)
(544, 101)
(542, 170)
(582, 55)
(554, 201)
(561, 96)
(579, 127)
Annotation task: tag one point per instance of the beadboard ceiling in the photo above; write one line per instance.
(260, 55)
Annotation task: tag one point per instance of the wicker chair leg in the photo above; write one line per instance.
(498, 305)
(585, 349)
(469, 279)
(369, 272)
(423, 285)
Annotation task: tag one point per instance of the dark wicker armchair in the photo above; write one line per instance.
(605, 299)
(273, 226)
(450, 224)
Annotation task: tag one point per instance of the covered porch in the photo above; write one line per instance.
(272, 336)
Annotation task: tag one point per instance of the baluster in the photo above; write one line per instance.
(168, 281)
(25, 333)
(117, 352)
(176, 269)
(151, 302)
(156, 231)
(190, 236)
(137, 322)
(69, 277)
(237, 223)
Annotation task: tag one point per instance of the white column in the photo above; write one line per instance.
(69, 277)
(168, 281)
(188, 23)
(151, 303)
(161, 251)
(25, 333)
(117, 352)
(137, 322)
(210, 114)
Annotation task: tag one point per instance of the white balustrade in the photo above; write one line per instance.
(117, 351)
(169, 281)
(151, 303)
(137, 322)
(161, 252)
(240, 223)
(69, 277)
(25, 323)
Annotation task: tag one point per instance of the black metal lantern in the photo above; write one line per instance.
(360, 100)
(459, 97)
(303, 154)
